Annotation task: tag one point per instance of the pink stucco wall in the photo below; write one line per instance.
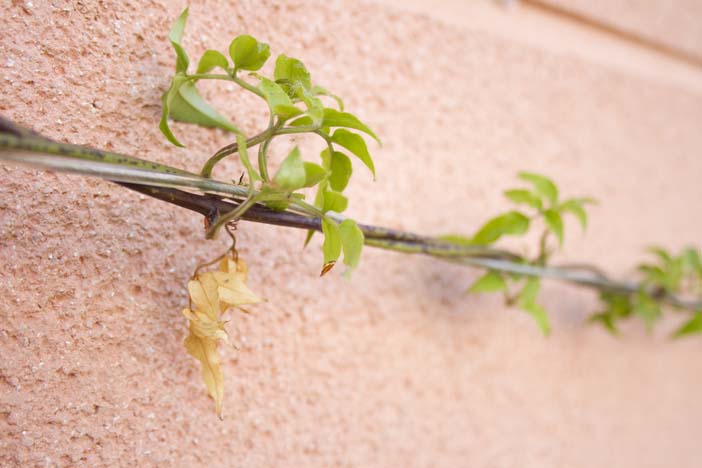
(674, 24)
(396, 367)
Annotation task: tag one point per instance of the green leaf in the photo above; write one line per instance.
(526, 300)
(188, 106)
(211, 59)
(163, 124)
(529, 292)
(607, 320)
(247, 53)
(491, 281)
(692, 258)
(332, 241)
(303, 121)
(291, 175)
(543, 186)
(315, 109)
(314, 173)
(308, 237)
(352, 241)
(511, 223)
(524, 197)
(539, 314)
(175, 35)
(356, 144)
(182, 102)
(646, 308)
(661, 253)
(292, 75)
(334, 118)
(334, 201)
(575, 207)
(554, 222)
(341, 170)
(691, 327)
(278, 100)
(319, 91)
(653, 274)
(618, 305)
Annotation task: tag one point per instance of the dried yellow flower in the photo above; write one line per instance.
(211, 294)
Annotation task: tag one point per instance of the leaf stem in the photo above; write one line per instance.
(209, 76)
(248, 86)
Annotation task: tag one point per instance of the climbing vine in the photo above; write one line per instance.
(297, 105)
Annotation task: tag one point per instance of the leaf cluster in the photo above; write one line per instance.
(666, 274)
(296, 106)
(539, 202)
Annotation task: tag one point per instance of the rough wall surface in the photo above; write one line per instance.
(672, 23)
(396, 367)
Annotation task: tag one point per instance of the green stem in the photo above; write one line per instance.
(232, 148)
(248, 86)
(233, 215)
(209, 76)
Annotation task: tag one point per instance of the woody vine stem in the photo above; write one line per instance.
(21, 145)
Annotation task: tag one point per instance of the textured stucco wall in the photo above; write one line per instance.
(674, 24)
(396, 367)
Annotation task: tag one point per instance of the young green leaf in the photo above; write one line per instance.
(526, 300)
(334, 118)
(278, 100)
(315, 109)
(529, 292)
(543, 186)
(653, 274)
(302, 121)
(491, 281)
(332, 242)
(511, 223)
(554, 222)
(247, 53)
(314, 173)
(691, 327)
(319, 91)
(607, 320)
(292, 75)
(647, 308)
(618, 305)
(539, 314)
(693, 261)
(661, 253)
(575, 207)
(291, 175)
(163, 124)
(334, 201)
(356, 144)
(352, 241)
(182, 102)
(175, 35)
(341, 170)
(524, 197)
(308, 237)
(211, 59)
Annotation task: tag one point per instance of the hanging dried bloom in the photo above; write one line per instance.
(211, 294)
